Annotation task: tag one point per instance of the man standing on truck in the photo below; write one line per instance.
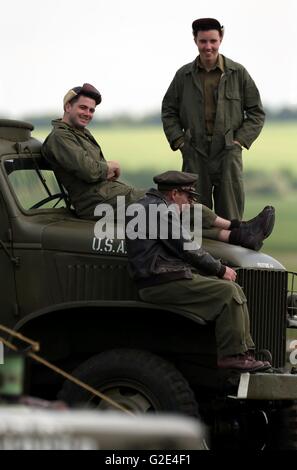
(210, 112)
(89, 179)
(167, 273)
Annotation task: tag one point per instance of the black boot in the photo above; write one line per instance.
(247, 237)
(265, 219)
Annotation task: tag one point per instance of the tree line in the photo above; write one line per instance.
(154, 119)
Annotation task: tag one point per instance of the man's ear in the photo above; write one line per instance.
(173, 194)
(67, 107)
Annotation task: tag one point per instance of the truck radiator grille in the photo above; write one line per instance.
(266, 293)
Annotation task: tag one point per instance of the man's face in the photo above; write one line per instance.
(208, 43)
(182, 199)
(80, 113)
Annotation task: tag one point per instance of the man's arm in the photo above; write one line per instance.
(170, 116)
(198, 258)
(254, 113)
(65, 149)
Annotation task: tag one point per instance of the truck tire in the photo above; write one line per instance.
(284, 429)
(138, 380)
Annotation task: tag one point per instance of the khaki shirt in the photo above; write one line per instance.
(210, 82)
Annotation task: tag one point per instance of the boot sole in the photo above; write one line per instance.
(258, 246)
(257, 369)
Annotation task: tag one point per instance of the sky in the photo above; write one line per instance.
(131, 49)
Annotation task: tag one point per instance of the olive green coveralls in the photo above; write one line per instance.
(80, 166)
(216, 159)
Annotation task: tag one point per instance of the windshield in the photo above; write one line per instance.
(34, 183)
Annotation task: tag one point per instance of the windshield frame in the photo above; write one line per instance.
(34, 161)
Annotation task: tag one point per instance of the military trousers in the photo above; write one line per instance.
(213, 300)
(220, 180)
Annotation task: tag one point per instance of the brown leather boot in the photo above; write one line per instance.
(241, 362)
(251, 355)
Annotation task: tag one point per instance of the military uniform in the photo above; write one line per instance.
(208, 148)
(212, 299)
(167, 274)
(79, 164)
(81, 167)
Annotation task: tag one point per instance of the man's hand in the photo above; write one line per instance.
(236, 142)
(114, 170)
(230, 274)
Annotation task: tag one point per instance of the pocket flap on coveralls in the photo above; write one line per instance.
(239, 297)
(232, 94)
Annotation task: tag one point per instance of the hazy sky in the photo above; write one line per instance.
(130, 49)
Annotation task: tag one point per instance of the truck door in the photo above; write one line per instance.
(8, 301)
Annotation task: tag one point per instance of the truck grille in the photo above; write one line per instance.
(266, 292)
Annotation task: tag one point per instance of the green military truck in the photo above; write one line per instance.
(70, 291)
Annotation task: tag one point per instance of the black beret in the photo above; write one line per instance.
(177, 180)
(206, 24)
(87, 89)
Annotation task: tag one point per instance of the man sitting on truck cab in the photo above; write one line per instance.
(89, 179)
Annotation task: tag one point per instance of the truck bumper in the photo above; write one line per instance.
(267, 387)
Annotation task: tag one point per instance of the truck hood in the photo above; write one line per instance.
(78, 236)
(237, 256)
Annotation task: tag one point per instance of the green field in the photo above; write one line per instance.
(144, 151)
(146, 148)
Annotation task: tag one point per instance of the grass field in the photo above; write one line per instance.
(145, 150)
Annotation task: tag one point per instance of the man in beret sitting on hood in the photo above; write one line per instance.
(77, 158)
(89, 179)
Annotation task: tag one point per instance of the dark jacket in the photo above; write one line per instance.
(158, 260)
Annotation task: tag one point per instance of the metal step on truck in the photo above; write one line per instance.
(71, 292)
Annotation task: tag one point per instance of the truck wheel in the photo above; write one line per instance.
(138, 380)
(284, 429)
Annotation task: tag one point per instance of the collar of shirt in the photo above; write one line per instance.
(219, 64)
